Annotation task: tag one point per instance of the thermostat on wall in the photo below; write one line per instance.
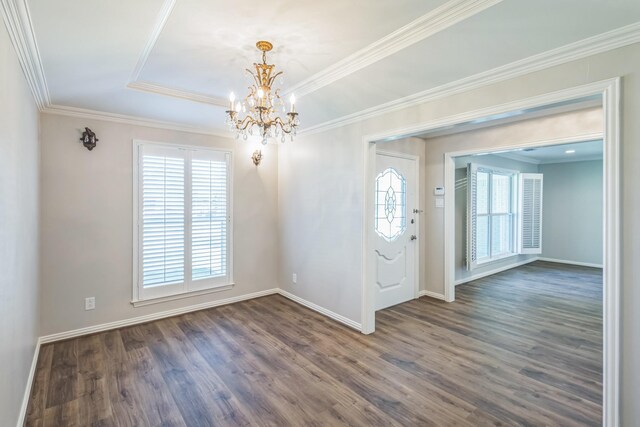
(438, 191)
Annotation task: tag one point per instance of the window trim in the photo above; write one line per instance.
(514, 214)
(217, 285)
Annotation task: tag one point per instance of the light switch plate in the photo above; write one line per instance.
(439, 202)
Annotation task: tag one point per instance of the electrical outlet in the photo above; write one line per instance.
(90, 303)
(294, 278)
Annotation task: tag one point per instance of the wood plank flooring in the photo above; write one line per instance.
(523, 347)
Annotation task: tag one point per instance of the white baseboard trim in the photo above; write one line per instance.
(27, 391)
(150, 317)
(564, 261)
(431, 294)
(494, 271)
(335, 316)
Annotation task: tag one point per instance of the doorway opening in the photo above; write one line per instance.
(441, 262)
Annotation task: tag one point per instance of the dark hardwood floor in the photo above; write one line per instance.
(523, 347)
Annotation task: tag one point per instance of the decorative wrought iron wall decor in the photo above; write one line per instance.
(89, 139)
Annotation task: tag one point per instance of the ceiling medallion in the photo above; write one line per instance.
(261, 106)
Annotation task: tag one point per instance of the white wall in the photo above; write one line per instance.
(572, 215)
(461, 273)
(19, 161)
(321, 196)
(87, 221)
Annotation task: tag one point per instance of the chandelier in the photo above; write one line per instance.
(259, 111)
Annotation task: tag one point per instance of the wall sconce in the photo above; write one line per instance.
(89, 139)
(256, 157)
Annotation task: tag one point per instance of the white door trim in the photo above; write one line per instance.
(610, 91)
(416, 203)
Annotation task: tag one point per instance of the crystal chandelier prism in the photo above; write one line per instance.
(259, 112)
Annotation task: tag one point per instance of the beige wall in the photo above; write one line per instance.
(321, 196)
(19, 159)
(87, 221)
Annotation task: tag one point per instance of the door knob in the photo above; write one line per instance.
(413, 237)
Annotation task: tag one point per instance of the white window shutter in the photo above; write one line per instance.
(472, 219)
(162, 217)
(209, 214)
(530, 234)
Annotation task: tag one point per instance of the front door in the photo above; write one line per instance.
(395, 229)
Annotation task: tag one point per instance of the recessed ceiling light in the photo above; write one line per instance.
(570, 151)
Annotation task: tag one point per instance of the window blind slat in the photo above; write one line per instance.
(209, 218)
(162, 219)
(531, 213)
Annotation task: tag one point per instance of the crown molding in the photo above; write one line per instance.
(131, 120)
(17, 19)
(177, 93)
(425, 26)
(600, 43)
(161, 20)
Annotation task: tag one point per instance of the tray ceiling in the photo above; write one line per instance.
(177, 60)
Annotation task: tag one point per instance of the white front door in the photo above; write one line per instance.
(395, 229)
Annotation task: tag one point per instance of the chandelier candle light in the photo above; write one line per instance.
(262, 105)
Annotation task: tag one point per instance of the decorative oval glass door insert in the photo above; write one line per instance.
(391, 206)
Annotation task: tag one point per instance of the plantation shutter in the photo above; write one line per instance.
(162, 217)
(209, 214)
(472, 218)
(530, 213)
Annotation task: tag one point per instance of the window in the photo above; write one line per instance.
(391, 204)
(182, 220)
(491, 213)
(504, 214)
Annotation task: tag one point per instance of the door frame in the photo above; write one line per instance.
(416, 203)
(609, 91)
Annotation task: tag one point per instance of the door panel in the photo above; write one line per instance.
(395, 229)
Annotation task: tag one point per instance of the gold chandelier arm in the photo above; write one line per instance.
(272, 79)
(285, 127)
(254, 75)
(244, 123)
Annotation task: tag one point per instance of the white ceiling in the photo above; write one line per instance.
(177, 60)
(574, 152)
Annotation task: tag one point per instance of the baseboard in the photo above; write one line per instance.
(335, 316)
(151, 317)
(27, 392)
(564, 261)
(430, 294)
(494, 271)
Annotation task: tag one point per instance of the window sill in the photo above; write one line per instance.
(182, 295)
(494, 260)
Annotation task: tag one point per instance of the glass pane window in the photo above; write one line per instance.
(482, 193)
(391, 206)
(494, 205)
(500, 235)
(500, 193)
(482, 239)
